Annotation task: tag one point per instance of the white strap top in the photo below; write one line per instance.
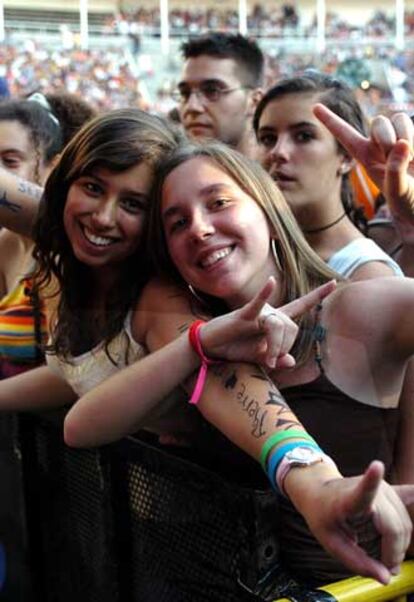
(89, 369)
(357, 253)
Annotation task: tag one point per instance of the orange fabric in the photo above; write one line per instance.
(364, 189)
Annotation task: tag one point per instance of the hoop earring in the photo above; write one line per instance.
(195, 294)
(273, 246)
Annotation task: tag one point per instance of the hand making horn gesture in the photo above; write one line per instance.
(386, 155)
(258, 332)
(331, 512)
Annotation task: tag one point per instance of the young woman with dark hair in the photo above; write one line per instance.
(312, 170)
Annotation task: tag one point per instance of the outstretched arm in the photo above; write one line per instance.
(255, 333)
(241, 402)
(386, 154)
(19, 202)
(37, 389)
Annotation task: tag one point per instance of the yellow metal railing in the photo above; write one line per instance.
(360, 589)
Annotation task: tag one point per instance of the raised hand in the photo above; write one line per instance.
(331, 509)
(386, 155)
(258, 332)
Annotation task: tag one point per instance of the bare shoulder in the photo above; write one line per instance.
(161, 294)
(163, 305)
(359, 305)
(163, 288)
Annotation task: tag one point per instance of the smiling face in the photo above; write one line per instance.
(300, 154)
(17, 152)
(217, 235)
(227, 118)
(104, 215)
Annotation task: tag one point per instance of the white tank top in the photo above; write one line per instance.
(86, 371)
(359, 252)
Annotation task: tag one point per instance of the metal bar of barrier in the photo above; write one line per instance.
(361, 589)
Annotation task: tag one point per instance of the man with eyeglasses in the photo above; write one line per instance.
(220, 88)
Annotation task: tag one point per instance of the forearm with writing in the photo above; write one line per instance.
(19, 202)
(246, 406)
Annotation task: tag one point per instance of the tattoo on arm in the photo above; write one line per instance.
(276, 399)
(257, 413)
(260, 376)
(183, 327)
(4, 202)
(265, 413)
(30, 189)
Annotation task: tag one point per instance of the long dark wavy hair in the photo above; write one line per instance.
(340, 99)
(115, 141)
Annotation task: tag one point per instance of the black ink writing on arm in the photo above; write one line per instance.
(254, 411)
(183, 327)
(265, 412)
(276, 399)
(30, 189)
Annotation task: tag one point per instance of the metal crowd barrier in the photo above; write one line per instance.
(128, 523)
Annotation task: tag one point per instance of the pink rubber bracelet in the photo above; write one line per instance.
(194, 337)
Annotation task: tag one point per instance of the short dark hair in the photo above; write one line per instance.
(43, 129)
(244, 51)
(333, 93)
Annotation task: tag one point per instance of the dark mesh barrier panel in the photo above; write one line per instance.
(15, 581)
(190, 533)
(70, 517)
(133, 523)
(185, 527)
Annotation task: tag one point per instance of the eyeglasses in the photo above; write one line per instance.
(205, 92)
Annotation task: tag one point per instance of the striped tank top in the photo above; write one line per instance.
(22, 325)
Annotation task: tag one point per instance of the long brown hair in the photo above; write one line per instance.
(301, 268)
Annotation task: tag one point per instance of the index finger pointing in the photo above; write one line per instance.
(298, 307)
(349, 137)
(253, 308)
(361, 500)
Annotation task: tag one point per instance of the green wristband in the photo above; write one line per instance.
(276, 438)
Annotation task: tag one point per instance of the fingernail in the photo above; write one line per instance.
(395, 570)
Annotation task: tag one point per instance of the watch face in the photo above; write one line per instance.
(304, 456)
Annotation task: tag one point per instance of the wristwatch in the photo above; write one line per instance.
(303, 456)
(299, 457)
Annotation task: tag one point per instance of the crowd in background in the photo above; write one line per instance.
(104, 78)
(130, 74)
(284, 19)
(114, 79)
